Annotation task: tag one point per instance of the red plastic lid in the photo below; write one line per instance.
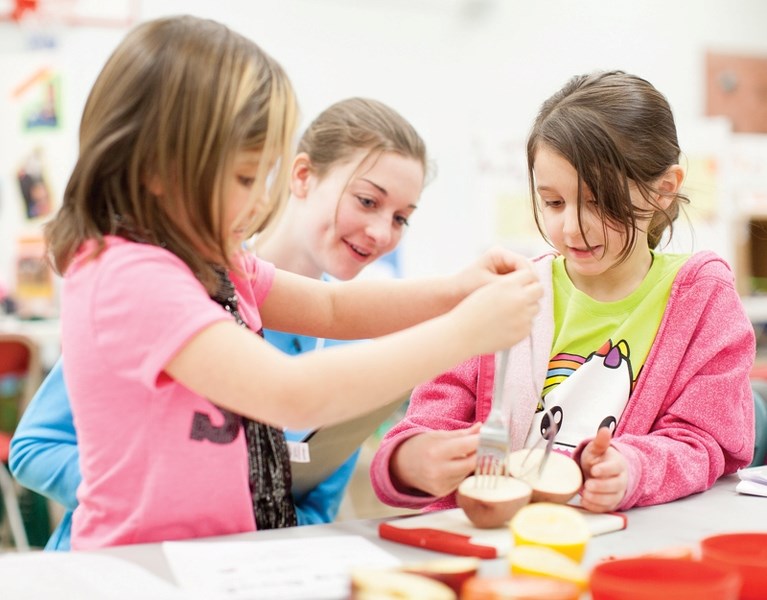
(747, 553)
(655, 578)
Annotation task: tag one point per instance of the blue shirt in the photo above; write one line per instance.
(321, 504)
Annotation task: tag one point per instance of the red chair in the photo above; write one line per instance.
(19, 362)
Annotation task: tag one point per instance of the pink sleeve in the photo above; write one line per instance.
(253, 285)
(148, 304)
(446, 403)
(257, 279)
(692, 420)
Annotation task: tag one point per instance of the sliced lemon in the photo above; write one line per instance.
(555, 526)
(546, 562)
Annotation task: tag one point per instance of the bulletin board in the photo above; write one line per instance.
(736, 87)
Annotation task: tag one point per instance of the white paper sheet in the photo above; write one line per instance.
(78, 575)
(306, 568)
(753, 481)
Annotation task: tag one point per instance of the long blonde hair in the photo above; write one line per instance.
(175, 102)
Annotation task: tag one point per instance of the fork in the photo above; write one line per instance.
(548, 437)
(494, 440)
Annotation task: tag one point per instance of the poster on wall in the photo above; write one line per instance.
(34, 154)
(35, 291)
(34, 185)
(39, 98)
(735, 88)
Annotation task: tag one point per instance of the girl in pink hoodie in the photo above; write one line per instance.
(642, 357)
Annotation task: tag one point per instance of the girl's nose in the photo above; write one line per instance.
(571, 225)
(380, 230)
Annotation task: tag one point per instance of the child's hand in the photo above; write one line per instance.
(436, 462)
(605, 474)
(493, 262)
(499, 314)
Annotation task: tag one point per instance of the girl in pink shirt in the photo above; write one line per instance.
(179, 404)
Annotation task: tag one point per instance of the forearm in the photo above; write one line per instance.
(241, 372)
(363, 309)
(356, 309)
(375, 308)
(308, 397)
(51, 469)
(299, 392)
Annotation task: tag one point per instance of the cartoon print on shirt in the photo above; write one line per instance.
(584, 394)
(204, 429)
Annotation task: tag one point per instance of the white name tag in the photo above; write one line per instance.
(299, 452)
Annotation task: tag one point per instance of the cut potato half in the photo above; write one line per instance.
(453, 572)
(490, 504)
(381, 584)
(561, 478)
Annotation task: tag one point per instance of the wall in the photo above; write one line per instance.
(469, 74)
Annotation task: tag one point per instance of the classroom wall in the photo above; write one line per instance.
(469, 74)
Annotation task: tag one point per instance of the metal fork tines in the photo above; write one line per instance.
(536, 467)
(493, 448)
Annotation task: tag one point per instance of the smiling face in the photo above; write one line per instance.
(358, 211)
(591, 248)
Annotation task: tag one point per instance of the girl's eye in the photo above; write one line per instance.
(401, 221)
(553, 203)
(366, 202)
(246, 181)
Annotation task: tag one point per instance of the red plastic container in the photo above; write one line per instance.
(657, 578)
(745, 552)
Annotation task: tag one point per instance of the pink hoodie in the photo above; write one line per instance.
(689, 420)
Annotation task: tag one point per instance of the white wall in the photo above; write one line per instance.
(462, 71)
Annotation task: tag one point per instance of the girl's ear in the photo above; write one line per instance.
(154, 184)
(669, 184)
(299, 175)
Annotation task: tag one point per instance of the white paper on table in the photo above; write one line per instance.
(752, 488)
(77, 575)
(756, 474)
(307, 568)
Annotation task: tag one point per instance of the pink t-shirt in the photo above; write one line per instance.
(158, 461)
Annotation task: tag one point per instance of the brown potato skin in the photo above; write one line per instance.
(485, 514)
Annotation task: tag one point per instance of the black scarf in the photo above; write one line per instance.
(268, 458)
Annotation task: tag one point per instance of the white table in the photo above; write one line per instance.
(684, 522)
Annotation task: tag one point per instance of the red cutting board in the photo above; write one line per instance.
(451, 532)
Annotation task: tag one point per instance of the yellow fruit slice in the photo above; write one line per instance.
(546, 562)
(556, 526)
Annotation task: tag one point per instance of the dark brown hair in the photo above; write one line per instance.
(615, 129)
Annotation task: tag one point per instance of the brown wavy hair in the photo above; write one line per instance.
(615, 129)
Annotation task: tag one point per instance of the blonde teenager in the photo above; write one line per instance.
(355, 183)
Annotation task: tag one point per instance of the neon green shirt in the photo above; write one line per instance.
(598, 351)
